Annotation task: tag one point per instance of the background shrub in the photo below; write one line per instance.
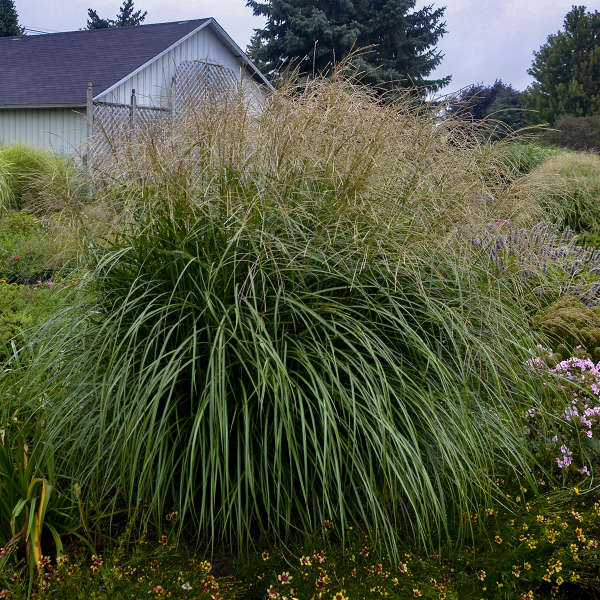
(576, 133)
(32, 249)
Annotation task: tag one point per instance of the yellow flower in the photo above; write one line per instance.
(340, 596)
(498, 539)
(559, 580)
(305, 561)
(576, 490)
(284, 578)
(265, 555)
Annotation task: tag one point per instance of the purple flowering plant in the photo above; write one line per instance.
(574, 444)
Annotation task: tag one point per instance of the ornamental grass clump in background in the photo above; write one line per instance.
(567, 187)
(291, 325)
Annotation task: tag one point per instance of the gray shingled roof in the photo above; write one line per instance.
(54, 69)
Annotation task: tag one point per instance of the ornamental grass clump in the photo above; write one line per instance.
(275, 336)
(567, 187)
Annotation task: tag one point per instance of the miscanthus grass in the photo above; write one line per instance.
(290, 326)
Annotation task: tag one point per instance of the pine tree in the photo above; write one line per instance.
(127, 17)
(566, 70)
(399, 42)
(96, 22)
(9, 20)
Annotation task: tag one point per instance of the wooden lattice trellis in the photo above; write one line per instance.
(196, 81)
(114, 124)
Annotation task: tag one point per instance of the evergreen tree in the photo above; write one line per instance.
(9, 20)
(96, 22)
(127, 17)
(566, 70)
(311, 34)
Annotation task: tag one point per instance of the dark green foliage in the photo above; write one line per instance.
(9, 19)
(576, 133)
(28, 252)
(566, 70)
(22, 309)
(500, 103)
(314, 35)
(126, 17)
(96, 22)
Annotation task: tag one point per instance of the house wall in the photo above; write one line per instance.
(61, 130)
(152, 85)
(64, 130)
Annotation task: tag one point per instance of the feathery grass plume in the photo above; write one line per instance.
(279, 334)
(397, 159)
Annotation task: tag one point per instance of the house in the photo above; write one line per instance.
(45, 97)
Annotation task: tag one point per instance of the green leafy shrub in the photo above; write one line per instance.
(32, 249)
(576, 133)
(293, 304)
(22, 309)
(34, 515)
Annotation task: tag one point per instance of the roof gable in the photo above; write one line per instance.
(54, 69)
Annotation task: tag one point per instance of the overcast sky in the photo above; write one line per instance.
(486, 39)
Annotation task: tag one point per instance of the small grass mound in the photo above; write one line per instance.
(29, 177)
(567, 186)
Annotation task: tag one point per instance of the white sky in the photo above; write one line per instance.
(486, 39)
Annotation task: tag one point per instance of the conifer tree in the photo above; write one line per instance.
(566, 70)
(400, 41)
(127, 17)
(9, 19)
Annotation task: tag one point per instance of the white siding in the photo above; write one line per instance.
(152, 85)
(61, 130)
